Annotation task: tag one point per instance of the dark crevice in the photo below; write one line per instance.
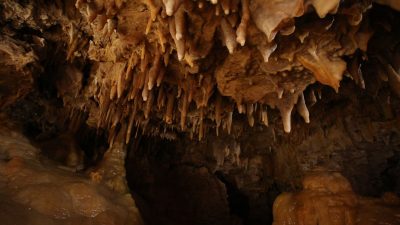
(238, 202)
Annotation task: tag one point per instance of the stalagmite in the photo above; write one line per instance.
(242, 29)
(302, 108)
(229, 36)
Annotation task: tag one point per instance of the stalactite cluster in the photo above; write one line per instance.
(190, 66)
(193, 66)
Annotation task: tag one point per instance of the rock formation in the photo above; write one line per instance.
(245, 96)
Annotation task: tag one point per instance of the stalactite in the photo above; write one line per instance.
(121, 81)
(149, 104)
(394, 79)
(184, 110)
(91, 12)
(154, 71)
(250, 116)
(179, 23)
(267, 49)
(170, 108)
(191, 90)
(179, 44)
(131, 64)
(242, 29)
(264, 115)
(201, 124)
(218, 112)
(160, 98)
(113, 91)
(319, 93)
(217, 10)
(116, 117)
(145, 90)
(154, 9)
(171, 6)
(235, 5)
(111, 26)
(160, 76)
(286, 114)
(241, 109)
(130, 123)
(302, 108)
(356, 73)
(280, 92)
(225, 4)
(200, 4)
(229, 36)
(229, 122)
(312, 98)
(233, 19)
(161, 40)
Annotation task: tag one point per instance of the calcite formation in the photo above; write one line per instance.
(189, 66)
(327, 198)
(256, 92)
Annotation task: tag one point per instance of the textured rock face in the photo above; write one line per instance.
(33, 190)
(206, 109)
(327, 198)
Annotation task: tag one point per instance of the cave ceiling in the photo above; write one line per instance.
(195, 67)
